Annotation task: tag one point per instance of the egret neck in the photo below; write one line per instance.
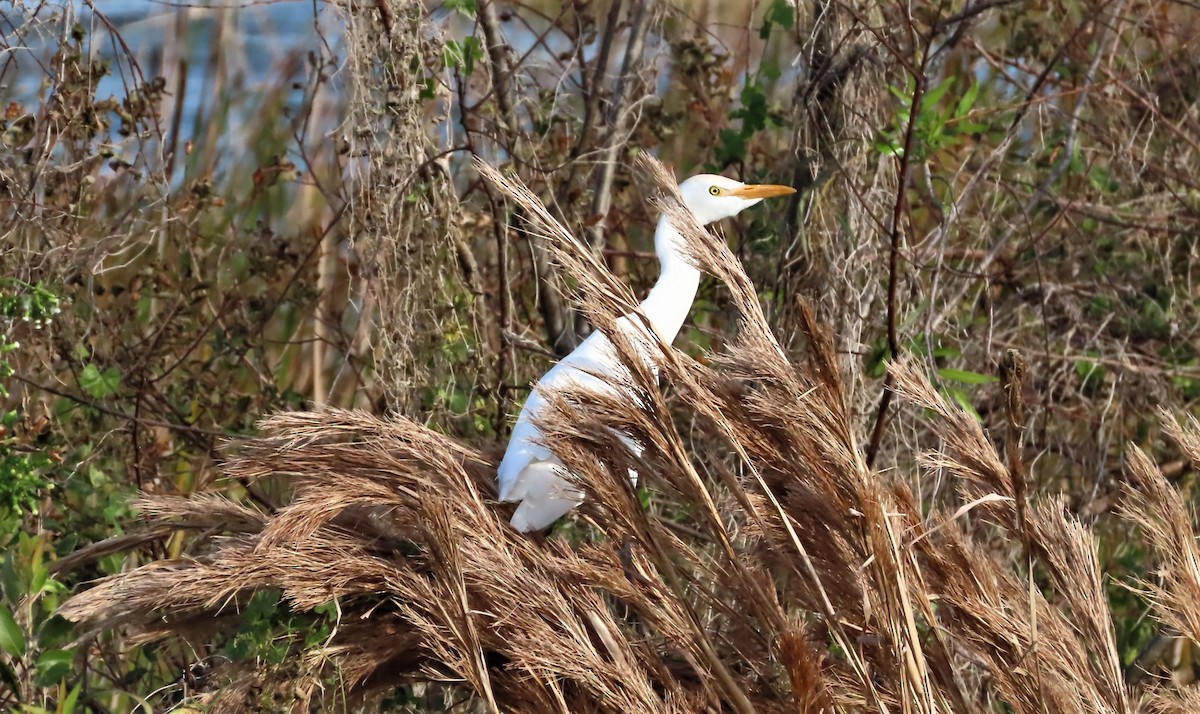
(670, 300)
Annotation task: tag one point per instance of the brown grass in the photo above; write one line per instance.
(777, 571)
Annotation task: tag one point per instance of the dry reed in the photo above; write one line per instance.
(779, 573)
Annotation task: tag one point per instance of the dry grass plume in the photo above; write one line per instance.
(776, 571)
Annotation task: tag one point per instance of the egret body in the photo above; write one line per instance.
(530, 473)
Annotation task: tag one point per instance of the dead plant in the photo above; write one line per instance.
(775, 572)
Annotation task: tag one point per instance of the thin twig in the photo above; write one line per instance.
(559, 330)
(602, 192)
(173, 426)
(602, 196)
(385, 16)
(893, 339)
(1012, 379)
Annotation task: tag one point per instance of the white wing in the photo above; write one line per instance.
(529, 472)
(547, 496)
(523, 449)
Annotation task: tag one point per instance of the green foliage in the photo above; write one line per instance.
(191, 320)
(22, 464)
(34, 639)
(21, 304)
(780, 13)
(950, 382)
(466, 7)
(463, 55)
(22, 472)
(1124, 560)
(270, 632)
(964, 377)
(755, 115)
(1091, 374)
(97, 384)
(52, 665)
(12, 638)
(938, 127)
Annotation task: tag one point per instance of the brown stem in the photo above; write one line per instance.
(598, 72)
(602, 198)
(385, 16)
(893, 339)
(602, 195)
(559, 330)
(1012, 378)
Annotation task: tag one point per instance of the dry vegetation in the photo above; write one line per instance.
(904, 460)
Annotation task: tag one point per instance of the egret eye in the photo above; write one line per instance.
(714, 190)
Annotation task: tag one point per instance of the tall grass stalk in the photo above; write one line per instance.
(776, 572)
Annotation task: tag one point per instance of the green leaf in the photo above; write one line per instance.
(964, 377)
(472, 53)
(54, 630)
(1102, 180)
(9, 579)
(933, 96)
(238, 648)
(96, 477)
(316, 637)
(466, 7)
(452, 53)
(53, 664)
(12, 639)
(146, 303)
(901, 95)
(262, 606)
(967, 101)
(876, 362)
(1091, 373)
(67, 706)
(779, 13)
(889, 148)
(99, 384)
(960, 398)
(731, 148)
(934, 136)
(463, 55)
(770, 70)
(37, 578)
(277, 652)
(754, 109)
(428, 89)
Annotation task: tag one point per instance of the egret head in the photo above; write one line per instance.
(711, 197)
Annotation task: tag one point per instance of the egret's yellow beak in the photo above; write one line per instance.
(763, 190)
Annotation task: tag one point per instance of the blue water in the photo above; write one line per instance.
(259, 46)
(254, 47)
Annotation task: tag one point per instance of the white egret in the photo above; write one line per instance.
(529, 472)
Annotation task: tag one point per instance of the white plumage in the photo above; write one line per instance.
(529, 473)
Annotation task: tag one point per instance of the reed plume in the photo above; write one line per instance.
(775, 571)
